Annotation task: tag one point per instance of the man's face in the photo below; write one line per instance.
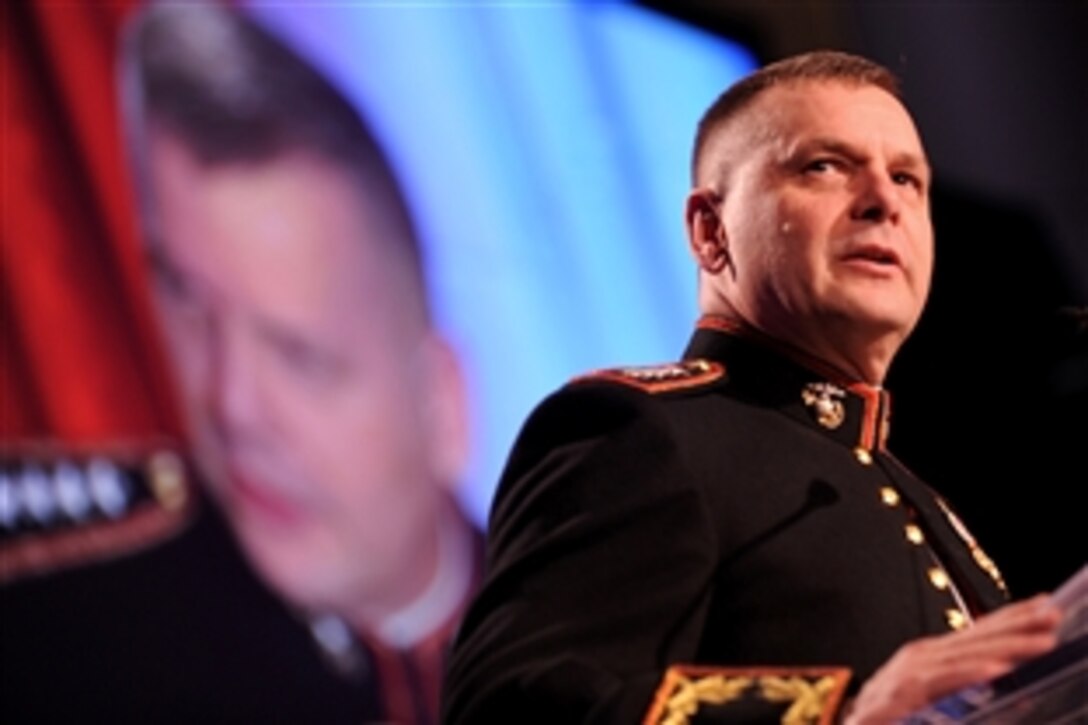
(826, 216)
(307, 374)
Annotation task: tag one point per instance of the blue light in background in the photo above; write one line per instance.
(544, 151)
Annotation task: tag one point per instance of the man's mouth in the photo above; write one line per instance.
(873, 254)
(263, 500)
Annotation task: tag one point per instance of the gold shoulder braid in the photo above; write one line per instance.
(660, 378)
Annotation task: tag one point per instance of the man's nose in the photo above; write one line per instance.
(877, 199)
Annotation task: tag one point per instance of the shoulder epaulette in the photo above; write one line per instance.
(62, 510)
(660, 378)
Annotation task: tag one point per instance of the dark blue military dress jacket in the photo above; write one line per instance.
(724, 539)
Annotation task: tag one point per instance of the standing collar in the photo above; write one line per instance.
(803, 387)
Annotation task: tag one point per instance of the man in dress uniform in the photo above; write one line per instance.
(322, 577)
(727, 538)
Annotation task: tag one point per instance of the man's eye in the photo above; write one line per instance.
(177, 292)
(821, 166)
(171, 282)
(308, 360)
(301, 356)
(905, 179)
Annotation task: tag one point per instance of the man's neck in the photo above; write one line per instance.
(847, 354)
(444, 596)
(858, 354)
(449, 559)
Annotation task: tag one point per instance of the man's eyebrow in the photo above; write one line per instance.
(913, 162)
(829, 145)
(903, 159)
(282, 336)
(289, 337)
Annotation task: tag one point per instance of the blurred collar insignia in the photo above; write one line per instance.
(824, 401)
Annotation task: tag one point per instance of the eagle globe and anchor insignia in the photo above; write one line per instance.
(825, 402)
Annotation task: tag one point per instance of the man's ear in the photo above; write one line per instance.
(706, 233)
(445, 411)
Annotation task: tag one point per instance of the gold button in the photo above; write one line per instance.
(863, 456)
(956, 619)
(914, 534)
(166, 477)
(938, 577)
(889, 496)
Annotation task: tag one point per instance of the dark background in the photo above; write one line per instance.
(991, 393)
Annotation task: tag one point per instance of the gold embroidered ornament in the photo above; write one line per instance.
(809, 699)
(692, 693)
(812, 694)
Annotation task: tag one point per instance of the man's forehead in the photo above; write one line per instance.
(801, 106)
(292, 240)
(789, 113)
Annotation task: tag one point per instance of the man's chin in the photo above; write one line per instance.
(289, 569)
(876, 317)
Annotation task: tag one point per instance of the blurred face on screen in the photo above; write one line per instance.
(324, 413)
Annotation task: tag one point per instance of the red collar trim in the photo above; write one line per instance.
(876, 415)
